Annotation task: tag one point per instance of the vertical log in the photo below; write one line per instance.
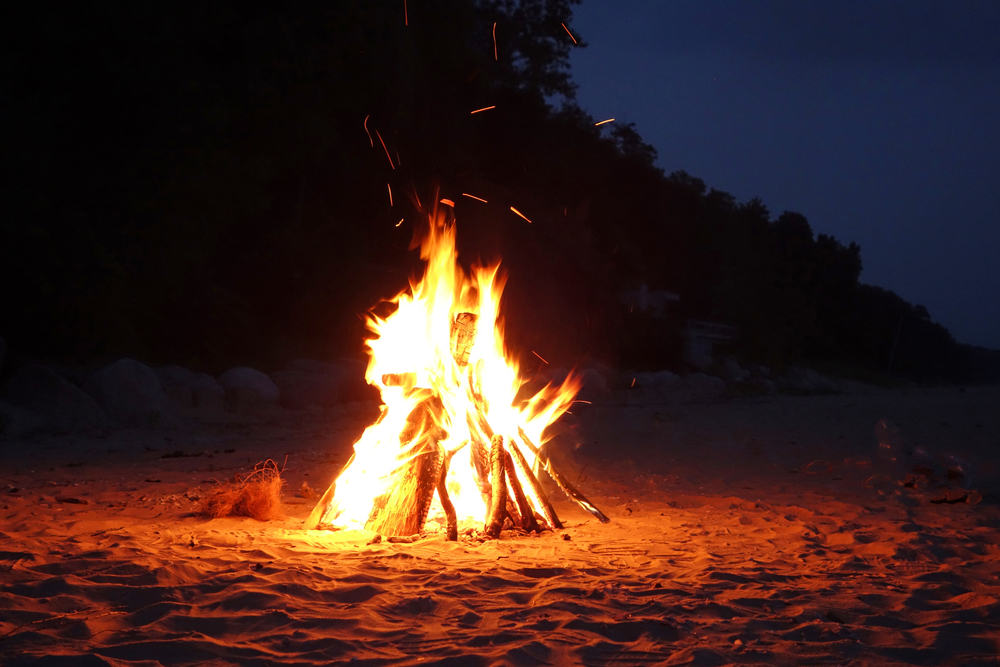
(498, 501)
(480, 455)
(463, 337)
(528, 521)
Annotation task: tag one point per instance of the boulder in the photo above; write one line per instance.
(807, 381)
(243, 400)
(206, 393)
(308, 389)
(130, 393)
(655, 383)
(186, 389)
(704, 385)
(58, 403)
(16, 422)
(354, 386)
(243, 376)
(731, 371)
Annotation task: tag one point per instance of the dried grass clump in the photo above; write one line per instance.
(256, 495)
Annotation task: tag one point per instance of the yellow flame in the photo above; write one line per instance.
(416, 339)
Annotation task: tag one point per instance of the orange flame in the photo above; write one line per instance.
(415, 342)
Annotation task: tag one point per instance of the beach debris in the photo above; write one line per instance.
(256, 495)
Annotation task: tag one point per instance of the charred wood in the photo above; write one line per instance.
(527, 517)
(534, 488)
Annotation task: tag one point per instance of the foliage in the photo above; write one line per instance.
(207, 185)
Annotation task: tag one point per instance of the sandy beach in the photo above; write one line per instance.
(745, 530)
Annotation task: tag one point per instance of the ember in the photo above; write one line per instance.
(452, 443)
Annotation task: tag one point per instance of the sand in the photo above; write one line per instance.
(745, 530)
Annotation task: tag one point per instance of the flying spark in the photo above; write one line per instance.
(519, 213)
(367, 132)
(390, 193)
(400, 222)
(603, 122)
(495, 56)
(448, 202)
(569, 33)
(406, 14)
(484, 109)
(466, 194)
(387, 156)
(539, 356)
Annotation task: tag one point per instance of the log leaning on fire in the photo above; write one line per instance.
(534, 488)
(567, 488)
(498, 500)
(528, 521)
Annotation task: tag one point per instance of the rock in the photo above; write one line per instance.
(354, 386)
(243, 376)
(732, 372)
(186, 389)
(308, 389)
(58, 403)
(702, 384)
(595, 383)
(16, 422)
(207, 394)
(655, 383)
(243, 400)
(807, 381)
(130, 393)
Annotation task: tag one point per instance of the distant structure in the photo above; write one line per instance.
(700, 339)
(644, 300)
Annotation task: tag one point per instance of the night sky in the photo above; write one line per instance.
(877, 120)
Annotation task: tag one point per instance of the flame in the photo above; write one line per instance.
(412, 361)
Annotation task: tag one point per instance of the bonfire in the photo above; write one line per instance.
(455, 442)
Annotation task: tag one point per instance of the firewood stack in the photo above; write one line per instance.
(510, 488)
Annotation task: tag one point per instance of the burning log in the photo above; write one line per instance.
(567, 488)
(402, 509)
(527, 518)
(446, 504)
(498, 501)
(463, 337)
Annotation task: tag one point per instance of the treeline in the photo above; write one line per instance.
(210, 185)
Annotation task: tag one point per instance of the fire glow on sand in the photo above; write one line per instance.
(454, 441)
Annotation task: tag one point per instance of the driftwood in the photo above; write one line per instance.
(402, 509)
(567, 488)
(498, 500)
(534, 488)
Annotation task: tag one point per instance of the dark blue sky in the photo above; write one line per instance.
(877, 120)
